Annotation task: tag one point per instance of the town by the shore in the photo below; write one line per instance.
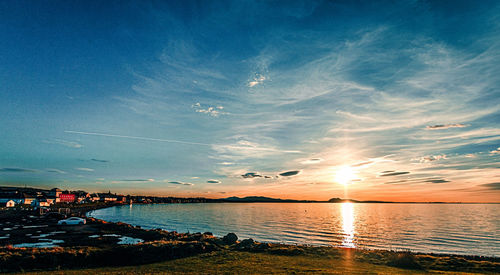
(32, 239)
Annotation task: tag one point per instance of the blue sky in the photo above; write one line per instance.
(397, 100)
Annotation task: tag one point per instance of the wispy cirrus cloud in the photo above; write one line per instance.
(66, 143)
(180, 183)
(437, 181)
(210, 110)
(432, 158)
(492, 185)
(445, 126)
(85, 169)
(394, 173)
(256, 80)
(132, 180)
(250, 175)
(244, 149)
(360, 164)
(17, 170)
(311, 161)
(54, 170)
(99, 160)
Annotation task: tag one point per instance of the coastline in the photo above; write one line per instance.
(97, 245)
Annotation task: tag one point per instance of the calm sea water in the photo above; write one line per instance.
(472, 229)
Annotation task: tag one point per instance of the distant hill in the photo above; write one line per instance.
(339, 200)
(261, 199)
(267, 199)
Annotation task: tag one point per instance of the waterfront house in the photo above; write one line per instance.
(28, 198)
(15, 197)
(94, 197)
(10, 203)
(121, 198)
(81, 196)
(107, 197)
(42, 202)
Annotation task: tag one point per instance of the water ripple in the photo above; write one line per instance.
(472, 229)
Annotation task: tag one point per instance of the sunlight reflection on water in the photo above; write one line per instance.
(348, 225)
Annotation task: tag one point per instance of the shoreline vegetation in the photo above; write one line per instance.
(111, 248)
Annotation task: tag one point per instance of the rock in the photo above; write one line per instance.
(208, 233)
(263, 246)
(230, 238)
(246, 244)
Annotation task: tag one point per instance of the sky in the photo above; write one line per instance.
(369, 100)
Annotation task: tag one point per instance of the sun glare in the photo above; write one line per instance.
(345, 175)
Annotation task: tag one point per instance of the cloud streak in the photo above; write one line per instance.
(312, 161)
(17, 170)
(243, 146)
(180, 183)
(492, 186)
(53, 170)
(66, 143)
(445, 126)
(258, 79)
(250, 175)
(389, 174)
(139, 180)
(84, 169)
(99, 160)
(289, 173)
(212, 111)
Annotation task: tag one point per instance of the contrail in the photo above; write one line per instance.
(180, 141)
(140, 138)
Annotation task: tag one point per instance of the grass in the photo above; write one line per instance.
(240, 262)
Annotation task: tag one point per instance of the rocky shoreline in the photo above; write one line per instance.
(28, 243)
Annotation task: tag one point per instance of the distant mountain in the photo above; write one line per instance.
(339, 200)
(260, 199)
(267, 199)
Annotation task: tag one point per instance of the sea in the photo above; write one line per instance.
(465, 229)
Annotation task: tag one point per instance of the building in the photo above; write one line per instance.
(108, 198)
(28, 198)
(15, 197)
(66, 197)
(94, 198)
(54, 193)
(50, 199)
(121, 198)
(81, 196)
(42, 201)
(9, 203)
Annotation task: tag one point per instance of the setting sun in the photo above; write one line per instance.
(345, 175)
